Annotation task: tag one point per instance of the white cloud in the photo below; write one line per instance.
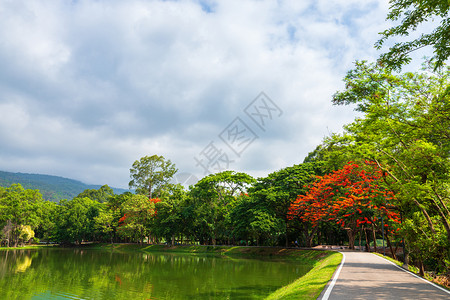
(87, 87)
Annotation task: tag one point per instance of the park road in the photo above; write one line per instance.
(368, 276)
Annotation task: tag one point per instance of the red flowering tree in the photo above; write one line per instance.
(352, 197)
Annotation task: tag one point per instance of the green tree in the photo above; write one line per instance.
(256, 222)
(101, 195)
(274, 194)
(412, 14)
(18, 207)
(47, 227)
(405, 129)
(170, 221)
(136, 223)
(151, 174)
(104, 222)
(115, 205)
(213, 198)
(75, 220)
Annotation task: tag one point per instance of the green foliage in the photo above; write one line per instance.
(151, 174)
(405, 130)
(101, 195)
(413, 14)
(170, 220)
(104, 222)
(272, 195)
(138, 217)
(212, 200)
(75, 220)
(20, 212)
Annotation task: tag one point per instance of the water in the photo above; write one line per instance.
(95, 274)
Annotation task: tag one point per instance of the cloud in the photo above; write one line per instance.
(87, 87)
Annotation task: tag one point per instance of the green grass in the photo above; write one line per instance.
(27, 247)
(411, 268)
(310, 285)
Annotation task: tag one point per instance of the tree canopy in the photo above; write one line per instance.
(412, 14)
(150, 174)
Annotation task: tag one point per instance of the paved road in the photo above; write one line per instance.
(367, 276)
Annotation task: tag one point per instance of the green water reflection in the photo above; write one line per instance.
(94, 274)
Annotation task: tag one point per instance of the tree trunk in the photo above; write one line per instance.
(405, 256)
(351, 238)
(360, 236)
(173, 240)
(286, 229)
(394, 256)
(443, 219)
(430, 223)
(374, 238)
(367, 240)
(421, 268)
(311, 236)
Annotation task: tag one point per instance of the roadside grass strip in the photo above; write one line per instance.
(399, 266)
(327, 293)
(310, 285)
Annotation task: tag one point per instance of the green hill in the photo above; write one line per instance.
(52, 188)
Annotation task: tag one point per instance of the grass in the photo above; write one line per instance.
(27, 247)
(412, 269)
(310, 285)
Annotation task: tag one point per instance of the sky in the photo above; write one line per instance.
(88, 87)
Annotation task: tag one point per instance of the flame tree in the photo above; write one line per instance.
(352, 197)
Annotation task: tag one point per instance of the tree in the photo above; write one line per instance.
(18, 207)
(115, 206)
(101, 195)
(150, 174)
(274, 194)
(351, 197)
(104, 222)
(75, 220)
(169, 220)
(213, 198)
(412, 14)
(404, 128)
(139, 212)
(47, 227)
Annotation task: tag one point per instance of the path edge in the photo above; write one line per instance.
(325, 294)
(415, 275)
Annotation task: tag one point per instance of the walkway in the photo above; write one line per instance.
(368, 276)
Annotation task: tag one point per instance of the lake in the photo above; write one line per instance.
(100, 274)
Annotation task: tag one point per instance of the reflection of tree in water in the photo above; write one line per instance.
(23, 264)
(95, 274)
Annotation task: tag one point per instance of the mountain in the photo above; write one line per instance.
(52, 188)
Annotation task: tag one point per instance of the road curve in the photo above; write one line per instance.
(367, 276)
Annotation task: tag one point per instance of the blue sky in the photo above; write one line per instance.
(88, 87)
